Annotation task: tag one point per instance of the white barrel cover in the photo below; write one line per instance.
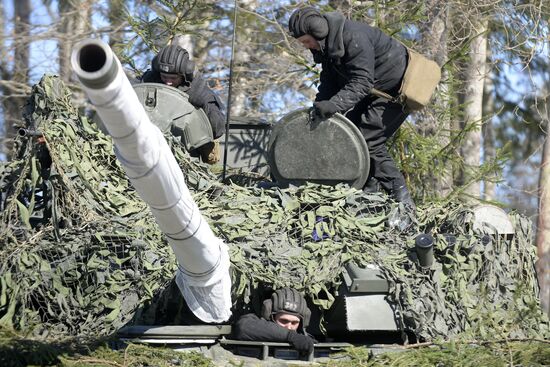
(203, 260)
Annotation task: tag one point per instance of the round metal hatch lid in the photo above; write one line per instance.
(163, 104)
(326, 152)
(170, 110)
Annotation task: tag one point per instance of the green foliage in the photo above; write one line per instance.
(156, 24)
(16, 351)
(137, 355)
(19, 351)
(22, 350)
(466, 354)
(172, 18)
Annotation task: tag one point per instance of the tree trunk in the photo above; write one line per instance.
(4, 75)
(14, 92)
(434, 45)
(74, 16)
(117, 21)
(473, 77)
(487, 129)
(185, 41)
(240, 101)
(543, 228)
(3, 48)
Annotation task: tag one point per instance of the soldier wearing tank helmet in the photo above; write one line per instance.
(284, 318)
(356, 58)
(173, 67)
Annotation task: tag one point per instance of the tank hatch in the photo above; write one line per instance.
(169, 109)
(326, 152)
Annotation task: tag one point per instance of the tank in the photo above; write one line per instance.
(88, 252)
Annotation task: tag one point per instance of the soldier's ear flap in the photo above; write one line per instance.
(190, 67)
(267, 309)
(189, 70)
(307, 317)
(155, 63)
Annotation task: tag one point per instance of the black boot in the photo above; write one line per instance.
(403, 217)
(372, 186)
(401, 194)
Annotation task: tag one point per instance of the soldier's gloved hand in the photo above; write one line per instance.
(324, 109)
(302, 343)
(198, 94)
(210, 152)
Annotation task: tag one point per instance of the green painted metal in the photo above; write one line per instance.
(170, 110)
(327, 152)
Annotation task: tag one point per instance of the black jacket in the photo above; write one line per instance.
(252, 328)
(213, 106)
(356, 57)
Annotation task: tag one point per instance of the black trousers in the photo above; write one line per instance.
(378, 119)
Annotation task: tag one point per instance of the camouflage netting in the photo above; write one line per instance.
(80, 253)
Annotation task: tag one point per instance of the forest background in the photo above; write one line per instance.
(483, 138)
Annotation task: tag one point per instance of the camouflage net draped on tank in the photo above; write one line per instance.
(81, 254)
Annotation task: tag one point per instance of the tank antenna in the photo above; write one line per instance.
(225, 148)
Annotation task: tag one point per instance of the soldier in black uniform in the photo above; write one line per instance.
(356, 58)
(172, 67)
(285, 317)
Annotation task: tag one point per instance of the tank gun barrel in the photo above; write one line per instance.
(203, 260)
(94, 63)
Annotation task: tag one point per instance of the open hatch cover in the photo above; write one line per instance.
(326, 152)
(170, 110)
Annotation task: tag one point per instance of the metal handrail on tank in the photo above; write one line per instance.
(203, 260)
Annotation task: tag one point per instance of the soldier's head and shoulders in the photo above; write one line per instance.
(284, 318)
(172, 66)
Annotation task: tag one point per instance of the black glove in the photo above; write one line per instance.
(198, 93)
(324, 109)
(302, 343)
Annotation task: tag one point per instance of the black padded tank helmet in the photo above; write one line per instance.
(287, 300)
(174, 59)
(308, 21)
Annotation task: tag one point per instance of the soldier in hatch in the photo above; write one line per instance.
(356, 58)
(285, 317)
(172, 67)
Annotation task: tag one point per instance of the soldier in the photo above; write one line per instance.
(285, 317)
(356, 58)
(172, 67)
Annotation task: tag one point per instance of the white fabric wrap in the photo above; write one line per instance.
(203, 260)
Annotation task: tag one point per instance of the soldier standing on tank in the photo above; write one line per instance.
(285, 317)
(173, 67)
(356, 58)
